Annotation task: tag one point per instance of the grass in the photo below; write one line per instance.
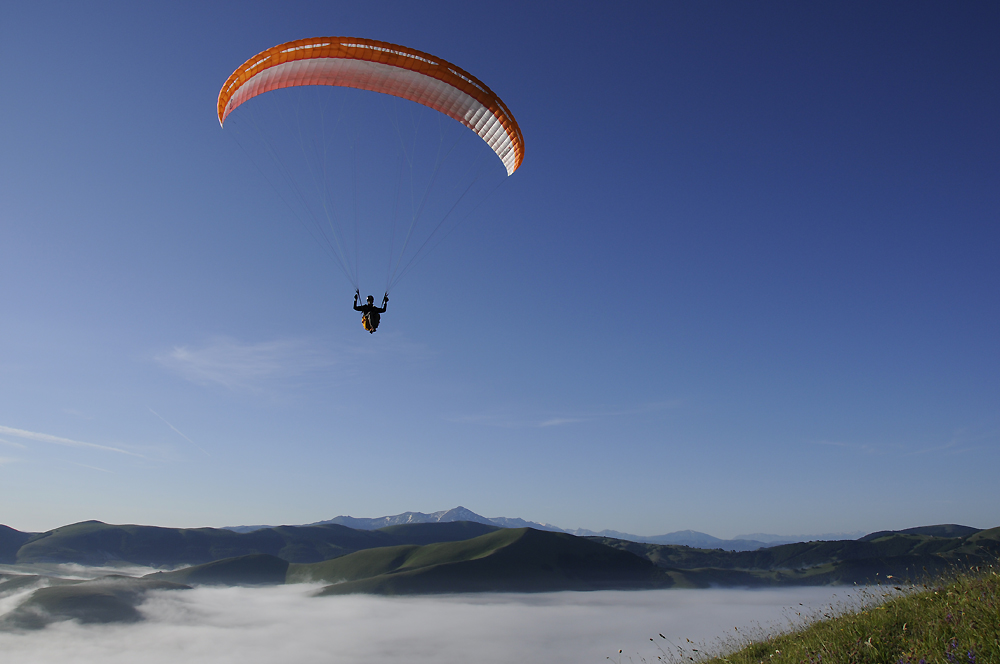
(954, 620)
(506, 560)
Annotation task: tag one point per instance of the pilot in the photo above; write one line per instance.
(370, 314)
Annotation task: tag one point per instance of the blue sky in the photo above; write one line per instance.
(745, 281)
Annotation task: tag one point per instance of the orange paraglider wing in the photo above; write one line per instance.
(367, 64)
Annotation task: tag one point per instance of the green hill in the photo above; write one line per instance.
(252, 570)
(812, 563)
(96, 543)
(430, 533)
(468, 556)
(952, 621)
(508, 560)
(13, 582)
(108, 600)
(942, 530)
(10, 542)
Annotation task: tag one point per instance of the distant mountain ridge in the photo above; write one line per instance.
(444, 516)
(772, 539)
(440, 557)
(97, 543)
(940, 530)
(691, 538)
(912, 554)
(455, 514)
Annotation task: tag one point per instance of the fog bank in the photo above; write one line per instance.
(264, 625)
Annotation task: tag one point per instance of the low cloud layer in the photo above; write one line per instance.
(286, 624)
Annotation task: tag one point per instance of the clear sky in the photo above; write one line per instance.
(747, 279)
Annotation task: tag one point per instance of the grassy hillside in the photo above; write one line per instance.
(13, 582)
(465, 556)
(812, 563)
(954, 622)
(10, 542)
(941, 530)
(252, 570)
(509, 560)
(375, 562)
(107, 600)
(95, 543)
(430, 533)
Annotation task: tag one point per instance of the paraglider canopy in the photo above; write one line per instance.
(374, 178)
(368, 64)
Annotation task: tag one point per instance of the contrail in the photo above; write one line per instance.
(83, 465)
(178, 431)
(46, 438)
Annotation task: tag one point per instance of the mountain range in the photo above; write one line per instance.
(681, 537)
(438, 557)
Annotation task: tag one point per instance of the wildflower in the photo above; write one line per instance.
(972, 657)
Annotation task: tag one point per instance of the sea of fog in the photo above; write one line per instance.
(216, 625)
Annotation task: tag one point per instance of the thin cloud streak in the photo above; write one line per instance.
(58, 440)
(103, 470)
(235, 364)
(557, 421)
(849, 446)
(178, 432)
(260, 366)
(13, 444)
(963, 441)
(954, 446)
(594, 414)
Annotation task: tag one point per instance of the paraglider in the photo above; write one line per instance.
(370, 314)
(370, 176)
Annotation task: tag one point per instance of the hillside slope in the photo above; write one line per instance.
(10, 543)
(112, 599)
(96, 543)
(848, 561)
(510, 560)
(940, 530)
(954, 620)
(431, 533)
(258, 569)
